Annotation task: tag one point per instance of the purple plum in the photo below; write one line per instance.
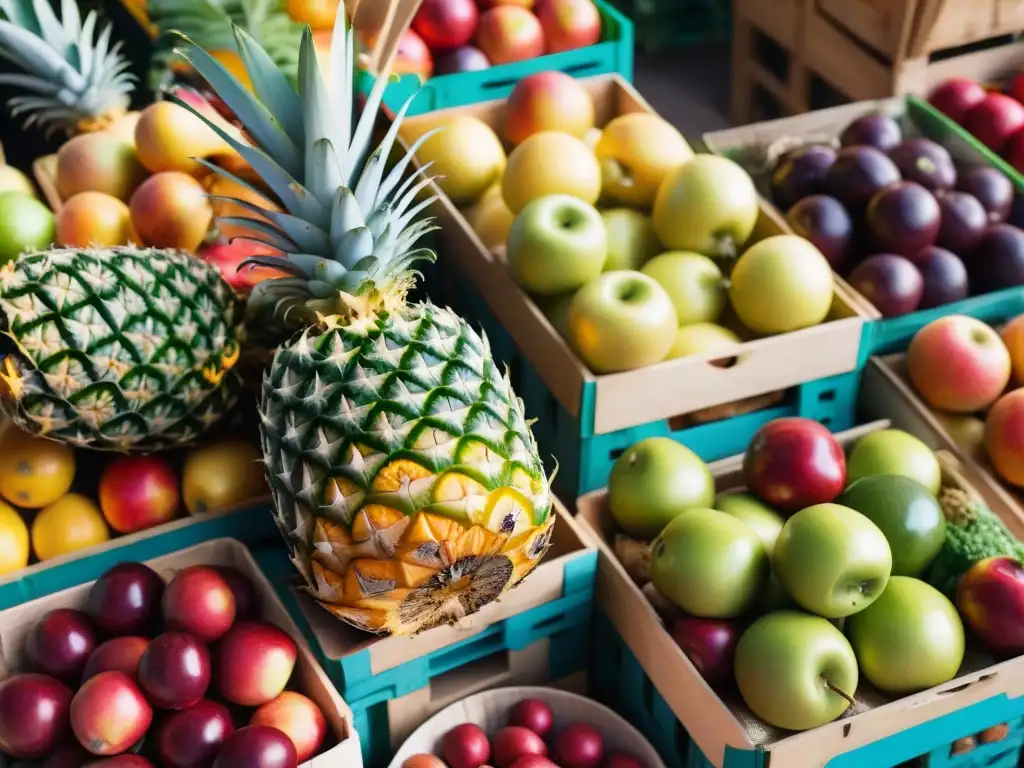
(875, 130)
(824, 221)
(926, 162)
(889, 281)
(858, 174)
(998, 262)
(993, 190)
(944, 276)
(903, 218)
(800, 173)
(964, 221)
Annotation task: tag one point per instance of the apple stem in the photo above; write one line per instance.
(837, 690)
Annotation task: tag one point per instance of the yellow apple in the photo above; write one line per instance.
(636, 152)
(699, 338)
(467, 157)
(550, 163)
(491, 219)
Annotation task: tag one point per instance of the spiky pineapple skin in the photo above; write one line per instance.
(402, 470)
(124, 349)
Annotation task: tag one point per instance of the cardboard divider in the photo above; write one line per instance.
(15, 624)
(45, 171)
(671, 388)
(720, 726)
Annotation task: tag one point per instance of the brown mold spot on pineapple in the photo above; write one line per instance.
(456, 592)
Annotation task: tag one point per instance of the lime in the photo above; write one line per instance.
(25, 225)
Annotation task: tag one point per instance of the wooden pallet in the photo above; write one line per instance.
(791, 57)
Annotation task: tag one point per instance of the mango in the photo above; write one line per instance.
(94, 219)
(98, 162)
(171, 210)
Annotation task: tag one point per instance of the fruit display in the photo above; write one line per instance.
(819, 569)
(56, 500)
(26, 224)
(401, 505)
(908, 227)
(637, 250)
(970, 374)
(129, 669)
(995, 117)
(452, 36)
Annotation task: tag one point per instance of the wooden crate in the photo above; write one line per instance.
(718, 723)
(793, 56)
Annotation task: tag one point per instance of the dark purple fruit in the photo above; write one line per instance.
(879, 131)
(175, 670)
(247, 599)
(60, 643)
(993, 190)
(465, 59)
(801, 173)
(944, 276)
(824, 221)
(903, 219)
(191, 738)
(1016, 216)
(964, 221)
(124, 600)
(999, 260)
(892, 283)
(926, 162)
(858, 174)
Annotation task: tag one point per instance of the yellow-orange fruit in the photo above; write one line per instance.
(125, 126)
(168, 137)
(219, 186)
(319, 14)
(98, 162)
(94, 219)
(171, 210)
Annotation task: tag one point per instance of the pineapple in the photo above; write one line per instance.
(406, 481)
(124, 349)
(75, 83)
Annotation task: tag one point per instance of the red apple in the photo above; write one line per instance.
(466, 746)
(990, 597)
(138, 492)
(33, 715)
(710, 645)
(247, 599)
(548, 101)
(174, 672)
(120, 761)
(532, 761)
(1016, 88)
(60, 644)
(958, 364)
(509, 33)
(995, 120)
(412, 57)
(253, 662)
(192, 737)
(71, 754)
(109, 713)
(445, 25)
(228, 258)
(199, 601)
(1014, 151)
(533, 714)
(124, 599)
(257, 746)
(513, 742)
(119, 654)
(956, 97)
(623, 760)
(579, 745)
(1004, 437)
(299, 718)
(793, 463)
(569, 24)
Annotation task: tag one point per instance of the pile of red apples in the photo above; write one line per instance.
(530, 740)
(153, 676)
(995, 118)
(450, 36)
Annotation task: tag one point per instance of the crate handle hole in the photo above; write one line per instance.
(828, 396)
(474, 676)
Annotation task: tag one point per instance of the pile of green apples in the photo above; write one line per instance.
(807, 579)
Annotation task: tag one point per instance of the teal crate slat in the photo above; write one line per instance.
(251, 525)
(614, 54)
(621, 683)
(354, 677)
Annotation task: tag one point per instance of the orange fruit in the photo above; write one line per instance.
(94, 219)
(13, 540)
(222, 475)
(319, 14)
(1013, 337)
(34, 471)
(71, 524)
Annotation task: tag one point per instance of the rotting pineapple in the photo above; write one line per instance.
(75, 83)
(406, 481)
(126, 349)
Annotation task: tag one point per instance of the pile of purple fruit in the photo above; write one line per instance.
(906, 226)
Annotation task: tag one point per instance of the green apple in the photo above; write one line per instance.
(795, 671)
(694, 283)
(710, 564)
(766, 522)
(556, 244)
(653, 482)
(631, 239)
(894, 452)
(906, 512)
(909, 639)
(832, 560)
(620, 321)
(699, 338)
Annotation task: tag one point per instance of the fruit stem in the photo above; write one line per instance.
(837, 690)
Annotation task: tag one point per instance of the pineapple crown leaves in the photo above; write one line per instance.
(209, 22)
(72, 73)
(347, 228)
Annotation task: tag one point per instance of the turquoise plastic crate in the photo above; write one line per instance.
(620, 682)
(666, 24)
(251, 525)
(614, 54)
(353, 675)
(568, 653)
